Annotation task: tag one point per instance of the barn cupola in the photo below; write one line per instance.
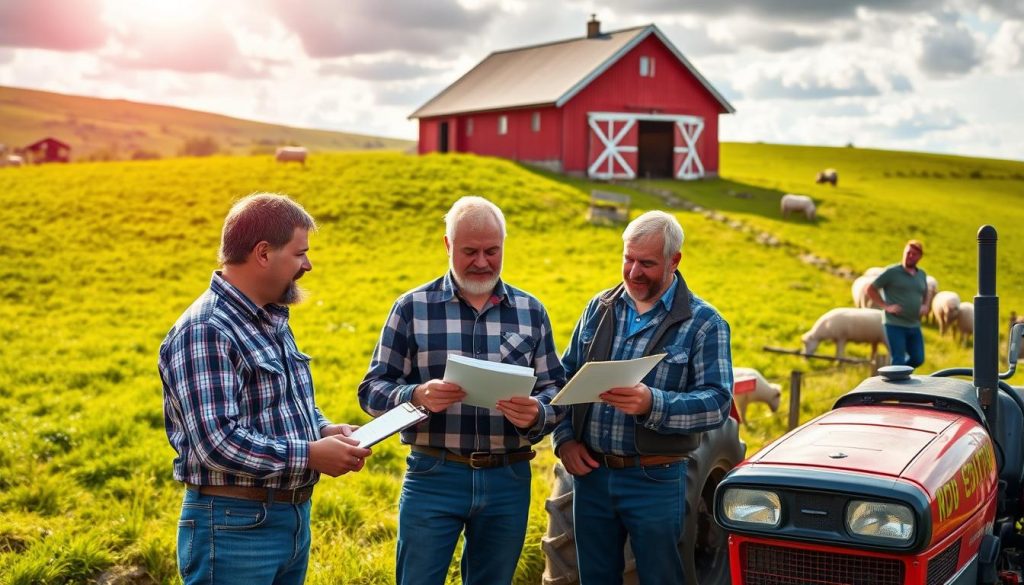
(593, 27)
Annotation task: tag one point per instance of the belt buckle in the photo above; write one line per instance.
(479, 460)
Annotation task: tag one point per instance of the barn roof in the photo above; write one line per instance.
(548, 74)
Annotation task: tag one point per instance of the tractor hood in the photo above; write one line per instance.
(877, 440)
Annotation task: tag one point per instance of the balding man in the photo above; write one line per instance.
(627, 452)
(469, 470)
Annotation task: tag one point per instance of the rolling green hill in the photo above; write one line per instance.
(100, 259)
(102, 129)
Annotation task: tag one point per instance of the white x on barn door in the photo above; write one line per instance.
(613, 149)
(687, 160)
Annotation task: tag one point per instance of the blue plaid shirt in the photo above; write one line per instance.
(691, 387)
(238, 395)
(428, 323)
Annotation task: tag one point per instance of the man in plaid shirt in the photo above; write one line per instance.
(239, 409)
(626, 453)
(469, 469)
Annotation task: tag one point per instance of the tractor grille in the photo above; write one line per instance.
(823, 512)
(775, 565)
(943, 565)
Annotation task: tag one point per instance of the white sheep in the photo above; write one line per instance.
(874, 271)
(791, 203)
(859, 290)
(291, 154)
(14, 160)
(827, 176)
(965, 321)
(764, 391)
(946, 310)
(845, 324)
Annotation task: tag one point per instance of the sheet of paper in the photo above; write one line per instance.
(485, 383)
(397, 419)
(594, 378)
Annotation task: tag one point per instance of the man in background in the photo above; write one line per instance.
(239, 408)
(902, 292)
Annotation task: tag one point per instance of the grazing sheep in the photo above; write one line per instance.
(933, 287)
(14, 160)
(846, 324)
(874, 271)
(764, 391)
(291, 154)
(965, 322)
(827, 176)
(797, 204)
(946, 310)
(859, 290)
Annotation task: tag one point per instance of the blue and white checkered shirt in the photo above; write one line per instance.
(691, 388)
(428, 323)
(238, 395)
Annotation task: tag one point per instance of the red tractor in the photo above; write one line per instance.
(909, 479)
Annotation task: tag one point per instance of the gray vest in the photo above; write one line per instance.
(648, 442)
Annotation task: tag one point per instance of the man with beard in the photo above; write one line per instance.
(904, 288)
(239, 408)
(469, 469)
(627, 453)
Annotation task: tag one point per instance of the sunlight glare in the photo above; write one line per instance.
(153, 13)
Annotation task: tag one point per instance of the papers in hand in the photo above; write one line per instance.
(595, 378)
(397, 419)
(485, 383)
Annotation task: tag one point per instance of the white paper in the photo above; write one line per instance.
(398, 418)
(485, 383)
(595, 378)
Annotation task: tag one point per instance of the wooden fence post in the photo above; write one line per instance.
(794, 398)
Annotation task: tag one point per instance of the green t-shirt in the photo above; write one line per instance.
(904, 289)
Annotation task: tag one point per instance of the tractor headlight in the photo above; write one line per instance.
(883, 520)
(752, 506)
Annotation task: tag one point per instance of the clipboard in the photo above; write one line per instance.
(397, 419)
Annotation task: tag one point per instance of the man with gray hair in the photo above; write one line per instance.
(627, 452)
(239, 408)
(469, 469)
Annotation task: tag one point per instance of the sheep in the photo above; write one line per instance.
(764, 391)
(859, 290)
(965, 321)
(946, 310)
(845, 324)
(874, 271)
(827, 176)
(291, 154)
(797, 204)
(14, 160)
(933, 287)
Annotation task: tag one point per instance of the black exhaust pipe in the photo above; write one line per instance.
(986, 327)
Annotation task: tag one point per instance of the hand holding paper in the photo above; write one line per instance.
(596, 378)
(485, 383)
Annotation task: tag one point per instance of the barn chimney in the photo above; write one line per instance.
(593, 27)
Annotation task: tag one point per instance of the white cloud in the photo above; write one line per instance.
(947, 47)
(1006, 51)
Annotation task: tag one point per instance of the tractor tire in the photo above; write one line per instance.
(703, 546)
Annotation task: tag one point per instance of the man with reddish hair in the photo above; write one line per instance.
(902, 292)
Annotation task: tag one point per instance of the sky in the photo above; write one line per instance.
(925, 75)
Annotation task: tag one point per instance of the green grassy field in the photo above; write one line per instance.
(103, 129)
(100, 259)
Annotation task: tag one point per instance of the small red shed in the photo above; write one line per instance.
(615, 105)
(48, 150)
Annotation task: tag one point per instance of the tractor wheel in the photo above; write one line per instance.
(704, 545)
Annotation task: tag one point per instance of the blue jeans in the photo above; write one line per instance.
(645, 503)
(442, 499)
(906, 345)
(227, 540)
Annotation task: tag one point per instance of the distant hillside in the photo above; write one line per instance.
(102, 129)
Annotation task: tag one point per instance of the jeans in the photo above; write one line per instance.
(228, 540)
(442, 499)
(644, 503)
(906, 345)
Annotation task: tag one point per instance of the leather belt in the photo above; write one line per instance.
(619, 462)
(296, 496)
(478, 459)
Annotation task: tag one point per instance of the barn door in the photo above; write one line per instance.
(687, 158)
(612, 146)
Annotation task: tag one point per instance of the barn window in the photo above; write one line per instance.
(646, 66)
(535, 122)
(469, 126)
(502, 124)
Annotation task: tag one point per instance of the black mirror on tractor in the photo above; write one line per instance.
(1016, 333)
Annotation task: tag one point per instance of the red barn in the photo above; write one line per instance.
(48, 150)
(615, 105)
